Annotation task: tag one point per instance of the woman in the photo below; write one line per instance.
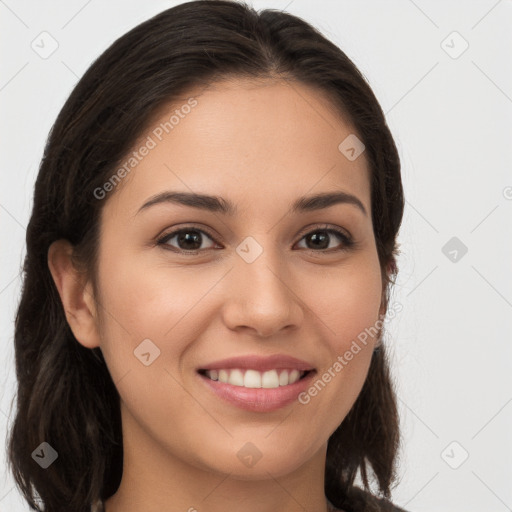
(209, 260)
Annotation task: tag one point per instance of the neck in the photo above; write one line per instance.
(155, 480)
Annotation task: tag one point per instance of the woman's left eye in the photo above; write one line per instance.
(189, 239)
(323, 236)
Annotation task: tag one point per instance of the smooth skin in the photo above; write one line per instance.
(260, 145)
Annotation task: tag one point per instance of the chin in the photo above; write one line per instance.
(250, 464)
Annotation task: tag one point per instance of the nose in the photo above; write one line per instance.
(262, 299)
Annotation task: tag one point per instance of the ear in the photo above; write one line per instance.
(391, 269)
(75, 293)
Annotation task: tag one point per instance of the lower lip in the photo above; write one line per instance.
(258, 399)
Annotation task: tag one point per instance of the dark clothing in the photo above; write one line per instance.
(363, 501)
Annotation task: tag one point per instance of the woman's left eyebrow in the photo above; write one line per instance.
(218, 204)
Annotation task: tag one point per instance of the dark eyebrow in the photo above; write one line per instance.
(220, 205)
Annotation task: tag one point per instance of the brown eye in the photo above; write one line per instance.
(320, 240)
(187, 239)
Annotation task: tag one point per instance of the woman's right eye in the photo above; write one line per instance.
(187, 239)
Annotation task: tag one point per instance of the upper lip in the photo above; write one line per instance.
(260, 363)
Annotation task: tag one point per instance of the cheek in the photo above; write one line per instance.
(143, 307)
(148, 300)
(347, 301)
(345, 309)
(154, 302)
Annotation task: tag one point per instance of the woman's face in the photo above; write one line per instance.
(266, 282)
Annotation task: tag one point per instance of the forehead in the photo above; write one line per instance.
(251, 140)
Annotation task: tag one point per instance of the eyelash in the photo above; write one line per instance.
(346, 240)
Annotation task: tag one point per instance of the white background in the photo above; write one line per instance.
(451, 118)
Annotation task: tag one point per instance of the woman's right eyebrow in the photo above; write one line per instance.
(218, 204)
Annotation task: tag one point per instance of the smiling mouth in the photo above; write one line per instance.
(248, 378)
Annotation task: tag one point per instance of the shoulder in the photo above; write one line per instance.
(363, 501)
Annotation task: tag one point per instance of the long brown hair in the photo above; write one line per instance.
(65, 394)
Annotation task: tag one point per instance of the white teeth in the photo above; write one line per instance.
(270, 379)
(255, 379)
(294, 376)
(236, 378)
(252, 379)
